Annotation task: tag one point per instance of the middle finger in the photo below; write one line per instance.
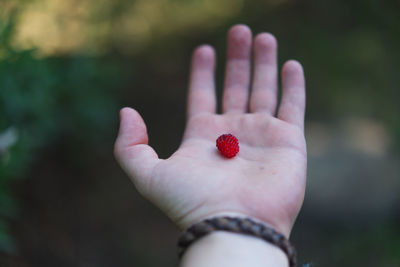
(237, 76)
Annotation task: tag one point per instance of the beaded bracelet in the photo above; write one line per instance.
(237, 225)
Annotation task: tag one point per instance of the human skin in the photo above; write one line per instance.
(266, 179)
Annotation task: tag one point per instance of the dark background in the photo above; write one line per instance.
(67, 67)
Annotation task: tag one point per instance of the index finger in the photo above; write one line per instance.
(201, 98)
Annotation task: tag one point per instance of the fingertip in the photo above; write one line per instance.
(240, 30)
(204, 55)
(239, 38)
(292, 66)
(129, 116)
(124, 112)
(204, 50)
(266, 41)
(132, 127)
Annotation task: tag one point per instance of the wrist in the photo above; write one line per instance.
(243, 226)
(284, 228)
(233, 249)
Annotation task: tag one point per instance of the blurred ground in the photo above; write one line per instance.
(67, 67)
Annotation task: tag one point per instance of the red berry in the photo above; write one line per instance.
(228, 145)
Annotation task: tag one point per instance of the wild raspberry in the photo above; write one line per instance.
(228, 145)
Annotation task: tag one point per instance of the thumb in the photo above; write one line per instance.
(132, 151)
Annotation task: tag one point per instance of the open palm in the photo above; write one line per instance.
(266, 180)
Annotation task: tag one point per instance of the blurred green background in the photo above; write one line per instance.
(67, 67)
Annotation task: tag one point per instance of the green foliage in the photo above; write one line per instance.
(382, 243)
(44, 100)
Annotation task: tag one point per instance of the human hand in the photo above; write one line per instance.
(266, 179)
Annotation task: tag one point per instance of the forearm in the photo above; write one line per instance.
(221, 249)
